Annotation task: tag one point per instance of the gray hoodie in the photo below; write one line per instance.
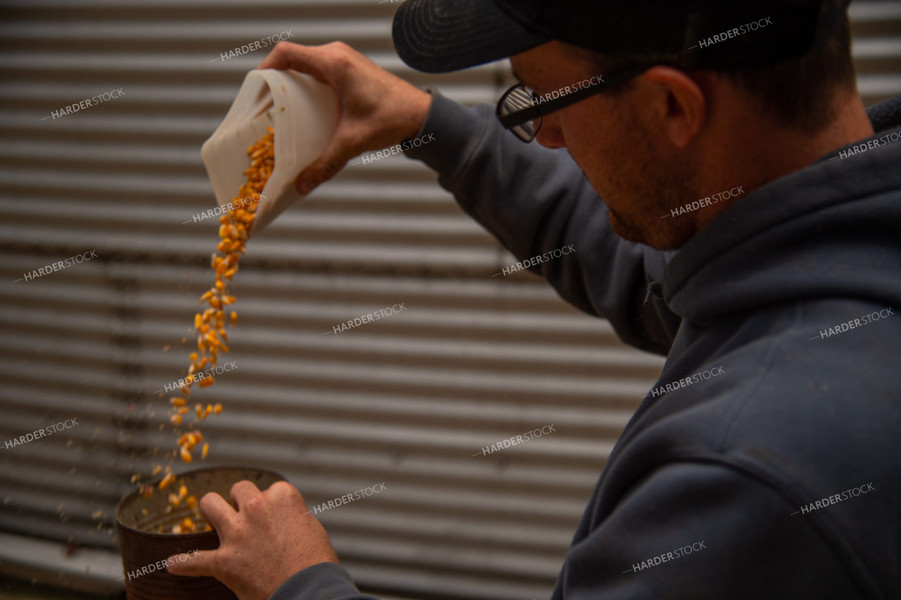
(766, 461)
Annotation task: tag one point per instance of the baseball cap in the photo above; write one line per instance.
(438, 36)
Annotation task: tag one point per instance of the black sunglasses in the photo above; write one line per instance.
(520, 109)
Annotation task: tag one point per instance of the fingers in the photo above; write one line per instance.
(283, 493)
(306, 59)
(192, 564)
(329, 163)
(243, 492)
(218, 513)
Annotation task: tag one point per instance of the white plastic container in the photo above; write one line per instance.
(303, 114)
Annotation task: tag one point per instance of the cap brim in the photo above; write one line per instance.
(437, 36)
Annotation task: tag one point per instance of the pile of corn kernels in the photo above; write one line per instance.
(209, 326)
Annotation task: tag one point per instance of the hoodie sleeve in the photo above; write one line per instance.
(534, 201)
(705, 530)
(325, 581)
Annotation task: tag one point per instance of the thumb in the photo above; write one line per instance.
(192, 564)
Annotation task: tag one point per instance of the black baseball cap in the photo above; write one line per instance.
(437, 36)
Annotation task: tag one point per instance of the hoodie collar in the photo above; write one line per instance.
(829, 229)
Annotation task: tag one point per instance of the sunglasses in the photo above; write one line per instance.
(520, 109)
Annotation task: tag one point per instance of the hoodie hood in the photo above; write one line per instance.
(832, 229)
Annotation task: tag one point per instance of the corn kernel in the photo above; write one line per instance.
(186, 455)
(168, 479)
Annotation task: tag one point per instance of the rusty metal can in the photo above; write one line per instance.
(144, 548)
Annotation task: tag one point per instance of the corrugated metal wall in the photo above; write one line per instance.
(406, 401)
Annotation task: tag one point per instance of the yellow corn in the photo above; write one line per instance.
(168, 479)
(210, 324)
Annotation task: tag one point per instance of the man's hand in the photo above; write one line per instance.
(268, 539)
(375, 109)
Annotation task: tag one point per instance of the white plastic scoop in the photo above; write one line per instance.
(303, 114)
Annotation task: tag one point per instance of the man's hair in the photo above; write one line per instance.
(800, 93)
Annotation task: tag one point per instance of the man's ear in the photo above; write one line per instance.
(676, 104)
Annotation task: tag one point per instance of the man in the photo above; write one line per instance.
(765, 462)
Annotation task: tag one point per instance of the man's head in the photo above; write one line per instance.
(716, 110)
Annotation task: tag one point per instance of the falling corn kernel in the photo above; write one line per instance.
(186, 455)
(206, 449)
(174, 500)
(176, 401)
(234, 318)
(207, 382)
(191, 502)
(175, 419)
(157, 470)
(217, 409)
(168, 479)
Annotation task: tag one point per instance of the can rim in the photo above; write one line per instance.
(184, 536)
